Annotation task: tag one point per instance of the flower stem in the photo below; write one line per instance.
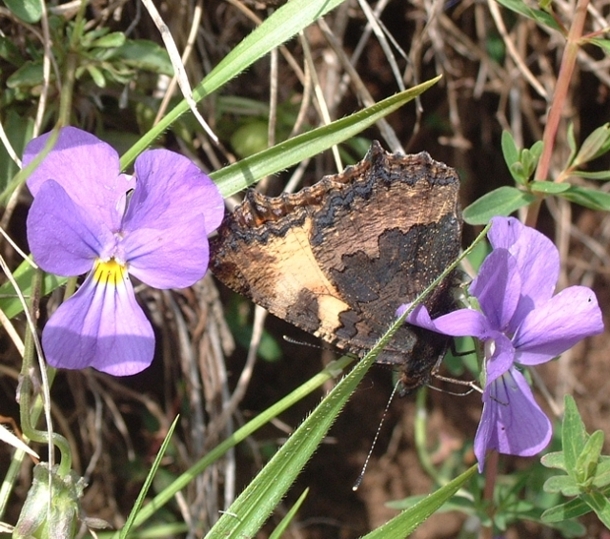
(491, 474)
(29, 414)
(69, 72)
(564, 78)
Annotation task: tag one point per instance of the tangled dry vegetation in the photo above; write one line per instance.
(499, 72)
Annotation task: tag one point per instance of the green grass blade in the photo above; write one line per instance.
(252, 508)
(402, 525)
(331, 371)
(278, 28)
(234, 178)
(281, 528)
(9, 301)
(149, 479)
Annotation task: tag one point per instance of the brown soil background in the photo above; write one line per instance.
(116, 425)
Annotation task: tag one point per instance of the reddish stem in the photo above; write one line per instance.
(564, 78)
(491, 474)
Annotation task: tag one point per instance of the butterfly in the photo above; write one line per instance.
(338, 258)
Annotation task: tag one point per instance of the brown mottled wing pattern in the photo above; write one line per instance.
(338, 258)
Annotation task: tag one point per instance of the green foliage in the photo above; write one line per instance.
(252, 137)
(147, 484)
(587, 471)
(100, 56)
(522, 164)
(10, 303)
(543, 18)
(502, 201)
(281, 528)
(40, 519)
(19, 131)
(595, 145)
(238, 176)
(603, 44)
(282, 25)
(105, 59)
(517, 497)
(29, 11)
(405, 523)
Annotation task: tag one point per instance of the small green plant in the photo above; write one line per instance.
(587, 471)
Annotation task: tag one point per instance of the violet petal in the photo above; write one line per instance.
(559, 324)
(168, 219)
(171, 188)
(497, 288)
(64, 238)
(512, 422)
(173, 259)
(537, 259)
(86, 167)
(460, 323)
(101, 327)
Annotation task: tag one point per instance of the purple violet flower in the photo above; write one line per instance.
(521, 322)
(88, 217)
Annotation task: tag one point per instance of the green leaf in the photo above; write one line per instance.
(10, 52)
(268, 348)
(148, 482)
(563, 484)
(596, 144)
(603, 44)
(110, 41)
(602, 474)
(502, 201)
(9, 301)
(509, 149)
(240, 175)
(19, 131)
(402, 525)
(572, 509)
(279, 27)
(589, 198)
(282, 527)
(540, 17)
(460, 503)
(266, 490)
(571, 142)
(29, 11)
(529, 159)
(152, 508)
(600, 504)
(599, 175)
(554, 460)
(548, 188)
(536, 150)
(96, 75)
(586, 464)
(28, 75)
(250, 138)
(573, 434)
(519, 173)
(145, 55)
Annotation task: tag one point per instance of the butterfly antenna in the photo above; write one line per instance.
(301, 343)
(368, 457)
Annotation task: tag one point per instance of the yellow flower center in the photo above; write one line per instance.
(110, 272)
